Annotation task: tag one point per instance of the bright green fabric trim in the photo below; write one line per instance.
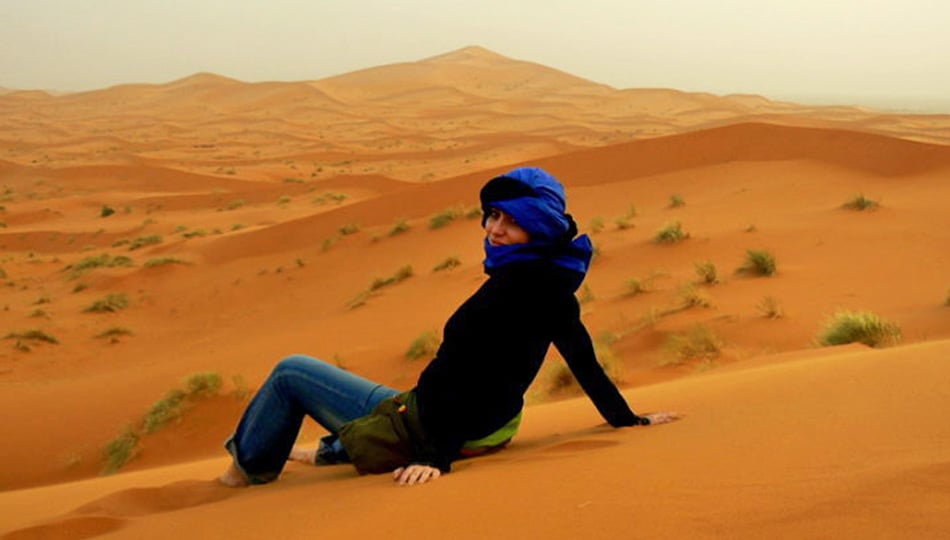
(501, 436)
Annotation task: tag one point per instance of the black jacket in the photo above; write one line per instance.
(492, 349)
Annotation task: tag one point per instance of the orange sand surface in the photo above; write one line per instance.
(256, 217)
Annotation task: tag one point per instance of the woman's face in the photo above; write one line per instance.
(502, 230)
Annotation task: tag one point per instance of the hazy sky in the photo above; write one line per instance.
(892, 53)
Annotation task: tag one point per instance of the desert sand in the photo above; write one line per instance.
(255, 218)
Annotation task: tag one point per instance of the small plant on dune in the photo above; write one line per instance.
(596, 224)
(143, 241)
(173, 405)
(706, 271)
(859, 327)
(626, 220)
(861, 203)
(106, 211)
(108, 304)
(637, 286)
(283, 200)
(425, 345)
(120, 450)
(473, 212)
(399, 227)
(770, 308)
(22, 339)
(203, 384)
(759, 263)
(113, 334)
(402, 274)
(39, 314)
(693, 297)
(235, 204)
(103, 260)
(946, 301)
(676, 201)
(195, 233)
(447, 264)
(698, 343)
(444, 217)
(161, 261)
(670, 234)
(586, 294)
(349, 228)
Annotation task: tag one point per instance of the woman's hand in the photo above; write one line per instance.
(663, 417)
(415, 474)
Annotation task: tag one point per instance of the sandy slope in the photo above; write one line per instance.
(847, 443)
(248, 187)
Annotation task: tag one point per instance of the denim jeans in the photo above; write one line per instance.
(298, 386)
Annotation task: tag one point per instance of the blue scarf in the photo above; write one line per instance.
(574, 255)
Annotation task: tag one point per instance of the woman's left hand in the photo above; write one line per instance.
(415, 474)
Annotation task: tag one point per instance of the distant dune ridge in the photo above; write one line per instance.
(218, 225)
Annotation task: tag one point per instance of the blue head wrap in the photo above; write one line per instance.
(536, 201)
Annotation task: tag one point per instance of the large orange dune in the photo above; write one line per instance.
(241, 222)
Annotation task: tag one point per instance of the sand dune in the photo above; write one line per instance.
(243, 222)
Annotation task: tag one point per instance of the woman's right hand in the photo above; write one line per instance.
(663, 417)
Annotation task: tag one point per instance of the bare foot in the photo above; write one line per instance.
(233, 477)
(303, 455)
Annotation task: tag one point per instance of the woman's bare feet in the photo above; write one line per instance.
(303, 455)
(233, 477)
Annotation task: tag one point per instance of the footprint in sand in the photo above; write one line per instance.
(106, 514)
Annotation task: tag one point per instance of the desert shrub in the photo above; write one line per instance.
(861, 203)
(637, 286)
(235, 204)
(164, 410)
(108, 304)
(399, 227)
(759, 263)
(859, 327)
(596, 224)
(143, 241)
(425, 345)
(103, 260)
(160, 261)
(195, 233)
(402, 274)
(670, 234)
(770, 308)
(173, 405)
(120, 450)
(676, 201)
(586, 294)
(283, 199)
(328, 197)
(39, 314)
(699, 342)
(444, 217)
(693, 297)
(349, 228)
(946, 301)
(203, 384)
(106, 211)
(706, 271)
(447, 264)
(114, 333)
(32, 335)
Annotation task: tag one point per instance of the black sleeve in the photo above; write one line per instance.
(574, 343)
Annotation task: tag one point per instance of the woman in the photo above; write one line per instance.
(468, 400)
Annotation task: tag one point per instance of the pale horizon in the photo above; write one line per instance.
(883, 54)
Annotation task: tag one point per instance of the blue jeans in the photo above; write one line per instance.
(298, 386)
